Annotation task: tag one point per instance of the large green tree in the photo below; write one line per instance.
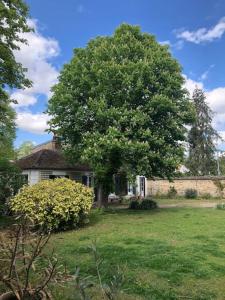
(13, 14)
(201, 138)
(120, 106)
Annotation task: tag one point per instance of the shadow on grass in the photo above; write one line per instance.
(128, 212)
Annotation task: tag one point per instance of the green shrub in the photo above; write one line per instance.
(221, 206)
(191, 194)
(172, 192)
(54, 204)
(134, 204)
(145, 204)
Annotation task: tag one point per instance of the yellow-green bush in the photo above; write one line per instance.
(54, 204)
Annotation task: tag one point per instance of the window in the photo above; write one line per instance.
(87, 180)
(58, 176)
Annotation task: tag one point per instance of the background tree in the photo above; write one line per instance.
(221, 161)
(13, 14)
(120, 106)
(24, 149)
(201, 138)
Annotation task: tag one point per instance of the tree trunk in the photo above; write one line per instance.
(102, 197)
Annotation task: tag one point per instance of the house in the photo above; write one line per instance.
(47, 162)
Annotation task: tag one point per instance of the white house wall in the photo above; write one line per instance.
(33, 176)
(59, 173)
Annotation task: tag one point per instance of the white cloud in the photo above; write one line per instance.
(191, 85)
(216, 100)
(203, 35)
(35, 123)
(23, 98)
(178, 45)
(167, 42)
(35, 57)
(205, 74)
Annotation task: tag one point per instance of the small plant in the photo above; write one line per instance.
(172, 192)
(21, 273)
(109, 291)
(56, 204)
(134, 204)
(145, 204)
(220, 186)
(191, 194)
(221, 206)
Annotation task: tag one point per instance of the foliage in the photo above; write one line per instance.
(108, 291)
(21, 272)
(24, 149)
(54, 204)
(134, 204)
(201, 138)
(221, 206)
(145, 204)
(218, 183)
(11, 180)
(191, 193)
(120, 106)
(221, 161)
(172, 192)
(13, 22)
(220, 186)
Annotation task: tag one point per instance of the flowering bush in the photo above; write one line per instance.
(54, 204)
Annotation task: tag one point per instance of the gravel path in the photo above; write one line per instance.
(200, 205)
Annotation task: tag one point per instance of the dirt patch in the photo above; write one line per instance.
(186, 204)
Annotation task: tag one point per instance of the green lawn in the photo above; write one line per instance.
(180, 200)
(170, 253)
(176, 253)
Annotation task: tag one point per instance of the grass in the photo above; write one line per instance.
(174, 253)
(182, 200)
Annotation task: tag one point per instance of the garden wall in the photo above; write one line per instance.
(211, 185)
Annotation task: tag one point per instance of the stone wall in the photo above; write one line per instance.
(204, 185)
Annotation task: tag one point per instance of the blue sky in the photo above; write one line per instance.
(195, 31)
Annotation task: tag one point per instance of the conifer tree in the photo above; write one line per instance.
(201, 138)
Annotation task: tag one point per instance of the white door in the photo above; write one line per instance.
(142, 186)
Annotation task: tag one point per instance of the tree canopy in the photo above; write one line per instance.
(24, 149)
(13, 14)
(201, 138)
(120, 106)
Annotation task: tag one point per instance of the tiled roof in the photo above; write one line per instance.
(48, 160)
